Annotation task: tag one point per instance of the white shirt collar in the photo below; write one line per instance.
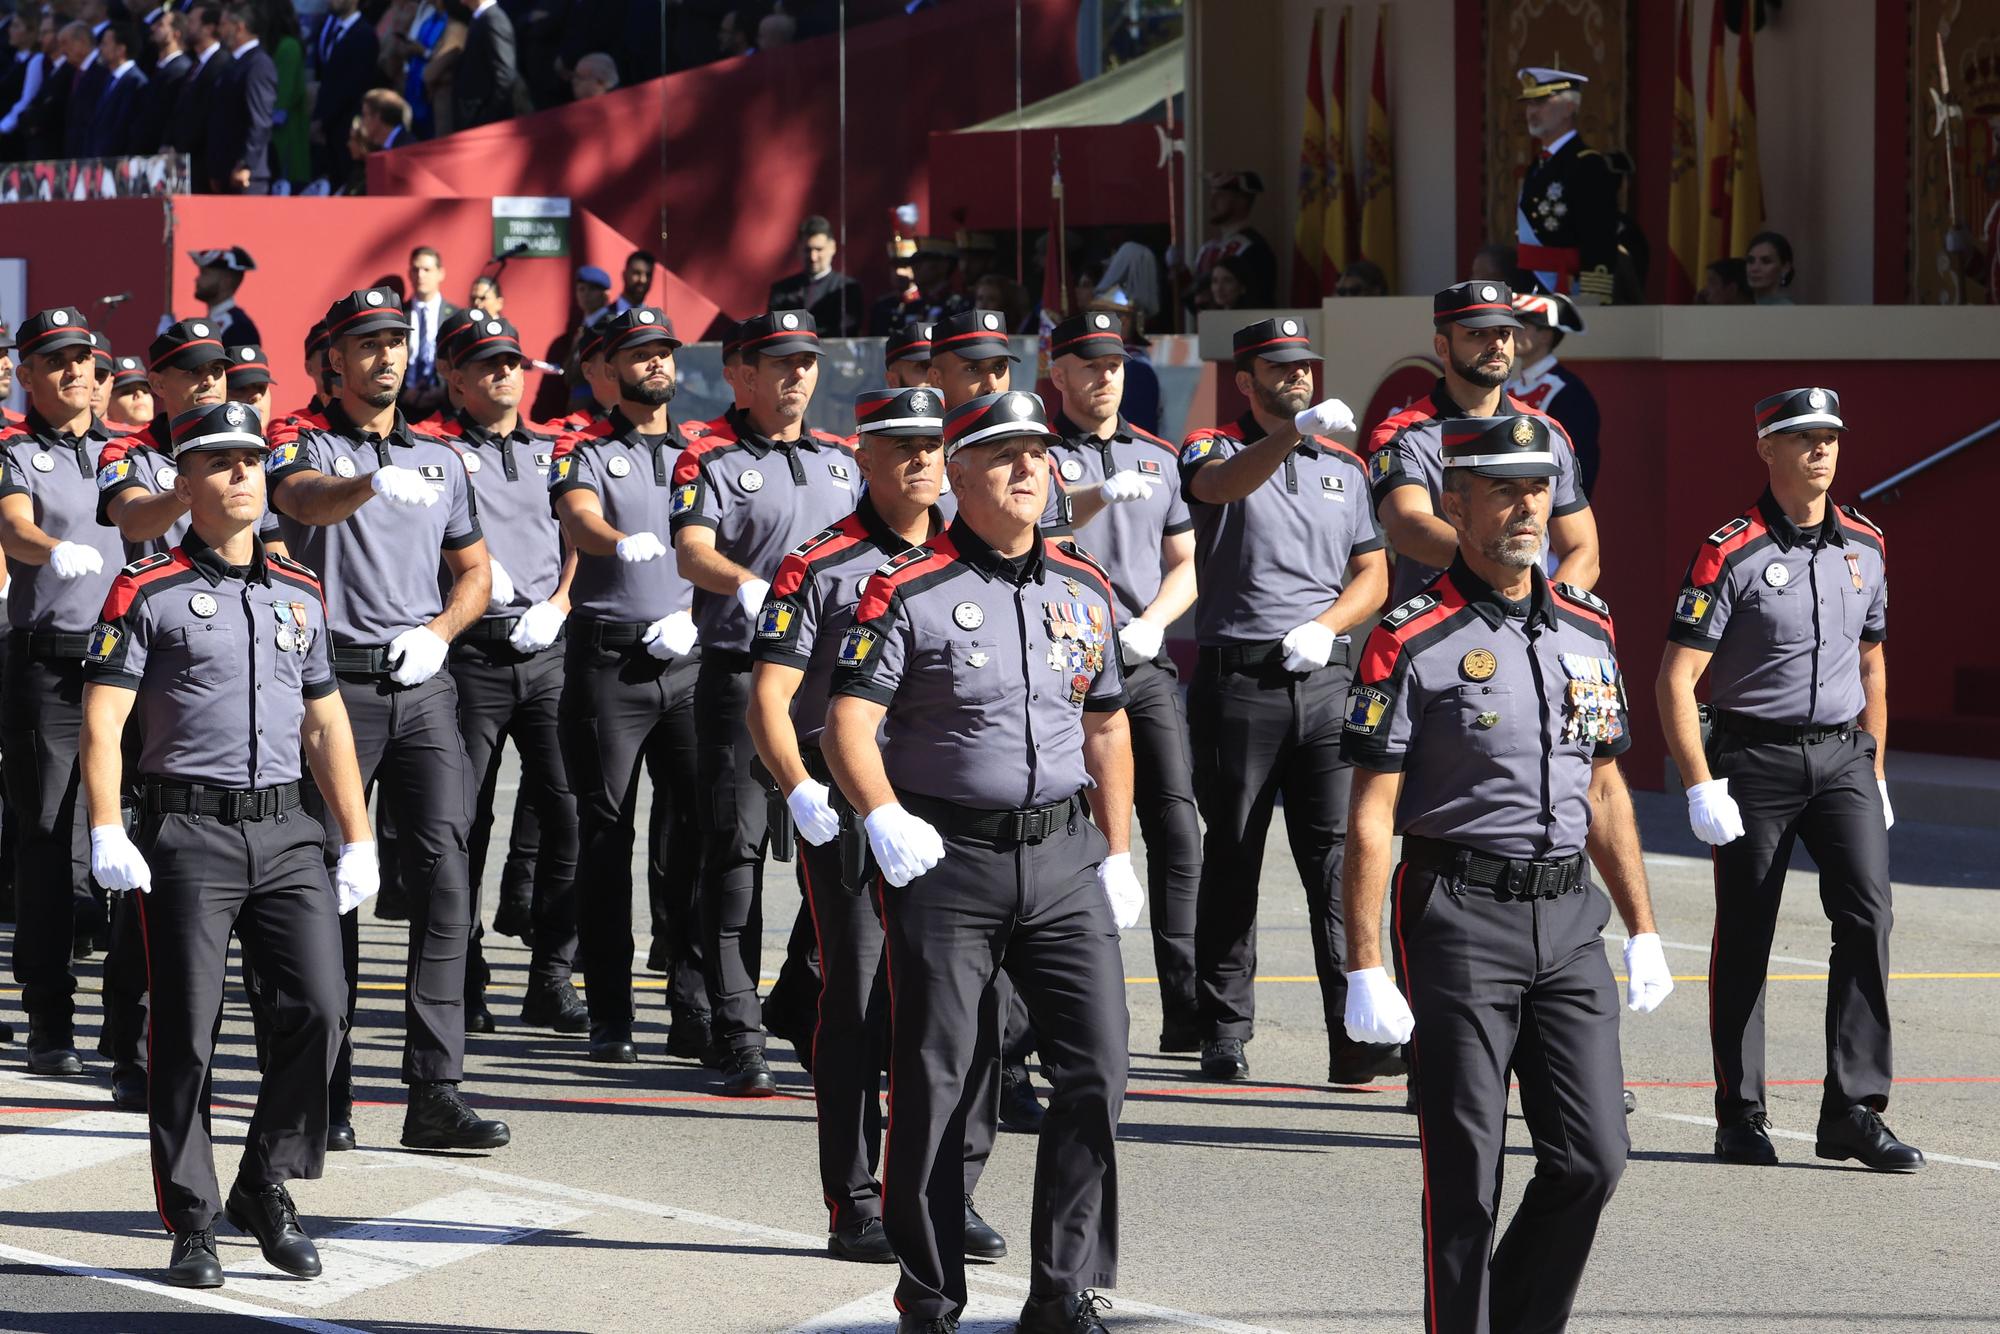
(201, 57)
(219, 312)
(119, 73)
(237, 53)
(1530, 376)
(1556, 147)
(88, 61)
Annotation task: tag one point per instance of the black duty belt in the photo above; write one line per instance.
(1526, 879)
(492, 630)
(1743, 726)
(1025, 826)
(361, 660)
(595, 634)
(163, 796)
(1257, 657)
(53, 645)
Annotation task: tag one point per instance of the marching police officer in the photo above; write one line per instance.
(1787, 604)
(970, 356)
(744, 495)
(374, 507)
(1119, 481)
(1567, 218)
(506, 664)
(906, 356)
(8, 417)
(990, 656)
(1484, 722)
(188, 368)
(629, 677)
(250, 380)
(1289, 563)
(131, 396)
(60, 563)
(1548, 386)
(222, 648)
(1474, 338)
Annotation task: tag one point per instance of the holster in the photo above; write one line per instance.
(857, 860)
(783, 834)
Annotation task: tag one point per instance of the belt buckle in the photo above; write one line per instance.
(232, 806)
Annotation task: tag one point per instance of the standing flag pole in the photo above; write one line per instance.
(1337, 231)
(1378, 167)
(1055, 262)
(1683, 193)
(1308, 223)
(1716, 150)
(1746, 175)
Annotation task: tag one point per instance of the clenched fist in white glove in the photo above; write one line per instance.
(356, 876)
(1121, 889)
(73, 560)
(751, 597)
(1376, 1010)
(1888, 811)
(1324, 418)
(671, 636)
(1712, 812)
(1139, 641)
(904, 846)
(638, 547)
(1648, 980)
(1308, 647)
(502, 592)
(116, 862)
(811, 806)
(538, 627)
(416, 655)
(403, 486)
(1123, 486)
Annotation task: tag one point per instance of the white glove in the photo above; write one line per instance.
(503, 586)
(356, 876)
(1324, 418)
(403, 486)
(1308, 647)
(812, 811)
(671, 636)
(1139, 641)
(416, 655)
(72, 560)
(751, 597)
(640, 547)
(904, 846)
(1647, 978)
(1124, 486)
(1376, 1010)
(116, 862)
(1121, 889)
(538, 627)
(1712, 812)
(1888, 811)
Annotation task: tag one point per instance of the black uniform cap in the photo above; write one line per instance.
(316, 339)
(234, 258)
(217, 426)
(918, 411)
(451, 329)
(47, 330)
(366, 311)
(1548, 310)
(991, 417)
(1280, 340)
(640, 324)
(912, 344)
(486, 336)
(6, 338)
(1091, 334)
(1499, 446)
(972, 334)
(100, 347)
(187, 345)
(127, 371)
(778, 333)
(1799, 410)
(248, 366)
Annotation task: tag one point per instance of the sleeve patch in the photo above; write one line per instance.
(1422, 602)
(283, 455)
(1197, 450)
(775, 621)
(104, 641)
(683, 500)
(112, 474)
(1383, 463)
(1365, 709)
(1692, 607)
(856, 645)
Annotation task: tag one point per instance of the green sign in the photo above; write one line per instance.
(530, 227)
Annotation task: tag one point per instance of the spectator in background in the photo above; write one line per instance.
(43, 125)
(246, 95)
(733, 35)
(640, 266)
(979, 255)
(191, 120)
(80, 49)
(384, 119)
(1727, 284)
(115, 129)
(1767, 264)
(291, 118)
(775, 30)
(172, 67)
(1229, 280)
(1363, 278)
(344, 49)
(1499, 263)
(484, 296)
(1141, 402)
(834, 299)
(423, 385)
(482, 86)
(1134, 270)
(594, 305)
(998, 292)
(416, 28)
(26, 68)
(1231, 197)
(596, 74)
(1546, 385)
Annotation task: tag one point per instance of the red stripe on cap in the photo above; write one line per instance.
(334, 331)
(760, 338)
(999, 335)
(1486, 305)
(236, 366)
(1274, 342)
(467, 349)
(1108, 335)
(215, 343)
(52, 331)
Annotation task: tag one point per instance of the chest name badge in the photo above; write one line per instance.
(1333, 488)
(202, 605)
(42, 462)
(431, 472)
(1072, 469)
(1776, 575)
(165, 477)
(751, 480)
(343, 466)
(1479, 665)
(1151, 467)
(968, 615)
(1854, 569)
(840, 473)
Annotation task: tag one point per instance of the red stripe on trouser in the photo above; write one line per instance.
(153, 1146)
(1714, 953)
(888, 976)
(1423, 1151)
(812, 907)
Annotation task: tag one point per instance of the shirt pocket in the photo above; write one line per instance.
(1489, 718)
(978, 674)
(204, 654)
(1782, 615)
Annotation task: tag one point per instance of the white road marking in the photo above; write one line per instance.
(213, 1301)
(1126, 1306)
(876, 1314)
(1709, 1123)
(37, 1153)
(1820, 964)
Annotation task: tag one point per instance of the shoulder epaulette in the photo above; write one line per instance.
(1863, 520)
(1583, 596)
(152, 562)
(849, 527)
(139, 576)
(1403, 614)
(292, 567)
(1141, 433)
(1725, 535)
(846, 442)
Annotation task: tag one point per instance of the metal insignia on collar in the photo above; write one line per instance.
(42, 462)
(751, 480)
(618, 465)
(343, 466)
(202, 605)
(968, 615)
(1776, 575)
(1075, 588)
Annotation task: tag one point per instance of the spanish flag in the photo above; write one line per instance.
(1683, 194)
(1378, 169)
(1715, 150)
(1308, 224)
(1746, 173)
(1337, 246)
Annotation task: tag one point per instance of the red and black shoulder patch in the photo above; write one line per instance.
(1720, 545)
(846, 442)
(296, 569)
(1854, 520)
(1586, 604)
(136, 579)
(900, 570)
(1141, 433)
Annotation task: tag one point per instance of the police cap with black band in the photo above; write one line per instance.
(50, 330)
(778, 333)
(367, 310)
(1475, 305)
(248, 367)
(217, 426)
(1280, 340)
(485, 337)
(899, 412)
(911, 343)
(972, 334)
(1094, 333)
(1799, 410)
(1503, 447)
(991, 417)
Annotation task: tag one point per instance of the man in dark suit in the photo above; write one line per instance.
(172, 68)
(91, 81)
(482, 88)
(239, 124)
(115, 129)
(190, 132)
(344, 51)
(835, 300)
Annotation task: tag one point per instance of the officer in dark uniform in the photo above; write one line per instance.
(222, 649)
(906, 356)
(629, 677)
(219, 275)
(1289, 563)
(106, 364)
(1788, 603)
(1120, 483)
(1549, 386)
(507, 664)
(60, 563)
(374, 507)
(990, 656)
(188, 368)
(1484, 721)
(744, 496)
(1567, 218)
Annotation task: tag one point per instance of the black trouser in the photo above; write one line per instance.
(1257, 733)
(734, 816)
(408, 743)
(267, 880)
(1034, 911)
(1822, 794)
(621, 705)
(1502, 985)
(503, 694)
(1163, 796)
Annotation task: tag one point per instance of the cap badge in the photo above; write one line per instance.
(1021, 406)
(1776, 575)
(198, 329)
(374, 298)
(618, 465)
(751, 480)
(645, 317)
(789, 321)
(58, 317)
(1524, 431)
(1290, 328)
(1816, 400)
(233, 414)
(1489, 293)
(991, 321)
(968, 615)
(493, 327)
(246, 354)
(202, 605)
(1101, 321)
(920, 402)
(1479, 665)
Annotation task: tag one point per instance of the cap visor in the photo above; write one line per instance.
(1282, 355)
(193, 358)
(784, 347)
(1483, 322)
(1510, 470)
(249, 377)
(489, 350)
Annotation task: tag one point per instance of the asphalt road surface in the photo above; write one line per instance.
(633, 1198)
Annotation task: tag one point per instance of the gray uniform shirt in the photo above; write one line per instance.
(1493, 712)
(223, 663)
(378, 565)
(1785, 611)
(986, 669)
(1407, 450)
(631, 475)
(139, 461)
(510, 477)
(1277, 558)
(1124, 538)
(762, 498)
(58, 474)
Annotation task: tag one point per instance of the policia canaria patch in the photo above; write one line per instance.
(1365, 707)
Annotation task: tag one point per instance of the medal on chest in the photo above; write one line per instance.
(293, 636)
(1076, 641)
(1592, 711)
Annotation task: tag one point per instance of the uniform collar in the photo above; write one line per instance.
(1495, 609)
(878, 530)
(1077, 437)
(215, 569)
(343, 425)
(757, 442)
(39, 425)
(1529, 377)
(1564, 142)
(974, 551)
(1789, 535)
(474, 433)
